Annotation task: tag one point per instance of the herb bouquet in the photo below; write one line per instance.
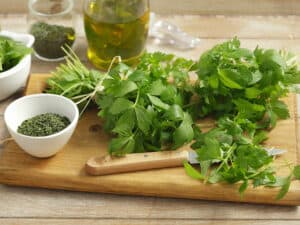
(155, 107)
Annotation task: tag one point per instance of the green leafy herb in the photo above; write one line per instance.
(154, 107)
(157, 120)
(11, 52)
(242, 88)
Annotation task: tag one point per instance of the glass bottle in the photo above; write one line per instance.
(115, 28)
(51, 23)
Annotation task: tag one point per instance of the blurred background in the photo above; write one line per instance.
(204, 7)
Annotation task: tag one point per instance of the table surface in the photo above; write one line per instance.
(20, 205)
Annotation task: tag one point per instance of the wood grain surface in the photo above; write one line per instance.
(66, 170)
(19, 205)
(135, 222)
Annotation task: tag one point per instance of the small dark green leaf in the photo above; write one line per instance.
(137, 75)
(252, 92)
(184, 133)
(121, 146)
(227, 78)
(157, 87)
(175, 113)
(214, 81)
(158, 103)
(120, 105)
(125, 124)
(129, 147)
(143, 119)
(124, 88)
(210, 151)
(284, 188)
(260, 137)
(243, 187)
(280, 108)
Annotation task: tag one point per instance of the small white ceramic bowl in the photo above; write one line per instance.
(33, 105)
(15, 78)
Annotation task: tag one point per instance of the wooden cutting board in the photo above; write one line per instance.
(66, 169)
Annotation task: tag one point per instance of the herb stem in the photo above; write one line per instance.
(137, 99)
(229, 153)
(99, 86)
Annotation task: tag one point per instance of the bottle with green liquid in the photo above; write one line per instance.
(115, 28)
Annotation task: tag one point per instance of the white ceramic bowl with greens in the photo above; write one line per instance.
(16, 77)
(32, 105)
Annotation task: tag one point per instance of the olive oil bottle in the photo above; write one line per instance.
(115, 28)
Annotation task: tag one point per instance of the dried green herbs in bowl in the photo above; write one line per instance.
(50, 121)
(43, 125)
(49, 40)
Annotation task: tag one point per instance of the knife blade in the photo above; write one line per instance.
(145, 161)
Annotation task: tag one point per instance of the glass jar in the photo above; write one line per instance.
(115, 28)
(51, 23)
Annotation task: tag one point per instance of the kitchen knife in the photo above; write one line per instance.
(145, 161)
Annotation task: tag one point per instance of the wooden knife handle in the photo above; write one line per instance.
(135, 162)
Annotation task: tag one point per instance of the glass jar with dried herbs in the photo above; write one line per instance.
(51, 23)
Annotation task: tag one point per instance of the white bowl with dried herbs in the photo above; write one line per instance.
(15, 61)
(41, 124)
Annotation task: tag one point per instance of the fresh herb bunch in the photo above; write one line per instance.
(11, 52)
(155, 107)
(74, 81)
(144, 108)
(238, 81)
(243, 89)
(225, 153)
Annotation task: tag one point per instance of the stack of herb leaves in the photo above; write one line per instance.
(154, 107)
